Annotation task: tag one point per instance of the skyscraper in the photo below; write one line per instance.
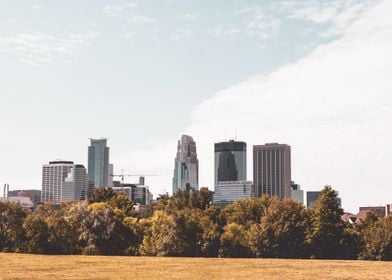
(76, 184)
(186, 165)
(272, 170)
(53, 177)
(230, 161)
(98, 163)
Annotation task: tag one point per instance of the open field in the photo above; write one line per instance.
(20, 266)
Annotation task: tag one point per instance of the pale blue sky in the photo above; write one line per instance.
(134, 71)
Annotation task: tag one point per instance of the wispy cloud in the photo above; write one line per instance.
(248, 21)
(36, 48)
(119, 10)
(339, 14)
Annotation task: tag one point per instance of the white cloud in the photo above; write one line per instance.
(37, 48)
(180, 34)
(119, 10)
(339, 14)
(333, 107)
(251, 22)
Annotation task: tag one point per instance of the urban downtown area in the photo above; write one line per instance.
(65, 181)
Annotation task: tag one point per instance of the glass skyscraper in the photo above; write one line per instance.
(186, 166)
(98, 163)
(230, 161)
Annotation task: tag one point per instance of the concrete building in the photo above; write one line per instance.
(53, 178)
(98, 163)
(34, 195)
(229, 191)
(76, 185)
(139, 194)
(272, 170)
(230, 161)
(186, 165)
(23, 201)
(296, 193)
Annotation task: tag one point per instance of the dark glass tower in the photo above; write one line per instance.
(230, 161)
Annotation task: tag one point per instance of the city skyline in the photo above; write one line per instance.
(312, 74)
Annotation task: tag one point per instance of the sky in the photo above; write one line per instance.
(314, 74)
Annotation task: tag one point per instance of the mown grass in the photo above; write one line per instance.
(22, 266)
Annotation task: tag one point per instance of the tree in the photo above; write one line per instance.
(378, 240)
(11, 229)
(281, 232)
(234, 242)
(326, 235)
(37, 234)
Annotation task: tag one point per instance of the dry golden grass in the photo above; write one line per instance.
(21, 266)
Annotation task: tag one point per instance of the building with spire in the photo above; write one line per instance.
(186, 165)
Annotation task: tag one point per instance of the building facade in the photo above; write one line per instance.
(34, 195)
(186, 165)
(230, 161)
(296, 193)
(98, 163)
(76, 184)
(229, 191)
(53, 178)
(272, 170)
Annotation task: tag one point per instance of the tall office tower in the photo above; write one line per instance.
(186, 165)
(53, 178)
(76, 184)
(272, 170)
(98, 163)
(230, 161)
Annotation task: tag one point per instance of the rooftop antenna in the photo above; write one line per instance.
(236, 134)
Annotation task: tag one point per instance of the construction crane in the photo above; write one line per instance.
(122, 176)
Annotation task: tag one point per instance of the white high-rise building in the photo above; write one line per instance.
(186, 168)
(53, 178)
(76, 184)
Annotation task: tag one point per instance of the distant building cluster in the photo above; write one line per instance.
(64, 181)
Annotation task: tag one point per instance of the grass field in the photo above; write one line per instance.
(20, 266)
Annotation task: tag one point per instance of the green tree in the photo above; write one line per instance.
(11, 226)
(281, 232)
(234, 242)
(378, 240)
(37, 234)
(326, 235)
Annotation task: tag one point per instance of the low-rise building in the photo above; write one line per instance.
(227, 192)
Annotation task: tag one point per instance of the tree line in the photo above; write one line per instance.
(188, 224)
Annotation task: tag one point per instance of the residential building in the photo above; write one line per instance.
(76, 185)
(296, 193)
(186, 165)
(53, 178)
(272, 170)
(230, 161)
(229, 191)
(98, 163)
(379, 211)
